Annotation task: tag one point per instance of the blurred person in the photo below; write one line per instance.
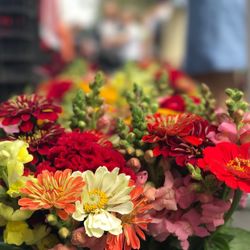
(155, 21)
(56, 37)
(82, 16)
(109, 30)
(217, 43)
(133, 37)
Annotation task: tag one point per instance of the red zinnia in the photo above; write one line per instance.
(162, 126)
(182, 136)
(41, 140)
(229, 163)
(26, 110)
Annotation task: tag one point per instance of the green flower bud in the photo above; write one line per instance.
(64, 232)
(52, 219)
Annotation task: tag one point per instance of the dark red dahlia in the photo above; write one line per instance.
(81, 151)
(26, 110)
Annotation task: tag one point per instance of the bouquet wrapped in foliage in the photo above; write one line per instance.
(122, 176)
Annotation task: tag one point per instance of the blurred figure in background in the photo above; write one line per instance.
(56, 36)
(109, 30)
(133, 37)
(82, 17)
(155, 20)
(217, 43)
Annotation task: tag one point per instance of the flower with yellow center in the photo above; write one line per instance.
(104, 195)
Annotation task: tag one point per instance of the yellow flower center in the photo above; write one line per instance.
(241, 167)
(97, 200)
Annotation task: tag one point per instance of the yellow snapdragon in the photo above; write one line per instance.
(13, 156)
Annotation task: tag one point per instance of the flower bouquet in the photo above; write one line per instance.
(123, 177)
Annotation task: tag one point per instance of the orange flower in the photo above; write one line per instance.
(57, 190)
(134, 224)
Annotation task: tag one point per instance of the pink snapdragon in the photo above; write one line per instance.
(81, 239)
(163, 197)
(212, 214)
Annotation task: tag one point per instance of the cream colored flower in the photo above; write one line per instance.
(104, 194)
(13, 156)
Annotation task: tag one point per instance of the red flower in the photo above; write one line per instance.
(175, 102)
(85, 151)
(41, 140)
(57, 88)
(162, 126)
(188, 149)
(229, 163)
(182, 137)
(26, 110)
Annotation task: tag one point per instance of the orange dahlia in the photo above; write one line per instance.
(134, 224)
(230, 163)
(57, 190)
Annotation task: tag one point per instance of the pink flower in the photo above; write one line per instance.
(9, 129)
(63, 247)
(243, 200)
(141, 178)
(163, 197)
(244, 134)
(81, 239)
(185, 196)
(182, 226)
(213, 213)
(246, 117)
(227, 132)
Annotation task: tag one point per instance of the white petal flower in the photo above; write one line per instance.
(104, 194)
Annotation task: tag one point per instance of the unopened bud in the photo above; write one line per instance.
(195, 172)
(64, 232)
(149, 156)
(130, 150)
(51, 219)
(134, 163)
(139, 152)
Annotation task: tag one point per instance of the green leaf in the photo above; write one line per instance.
(218, 241)
(241, 240)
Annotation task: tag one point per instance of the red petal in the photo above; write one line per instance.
(25, 117)
(48, 116)
(193, 140)
(26, 126)
(10, 121)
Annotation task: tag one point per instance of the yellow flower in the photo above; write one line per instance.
(109, 94)
(17, 233)
(104, 194)
(13, 156)
(7, 213)
(14, 188)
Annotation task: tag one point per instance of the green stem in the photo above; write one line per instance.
(235, 203)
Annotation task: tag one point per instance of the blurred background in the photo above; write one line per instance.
(207, 39)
